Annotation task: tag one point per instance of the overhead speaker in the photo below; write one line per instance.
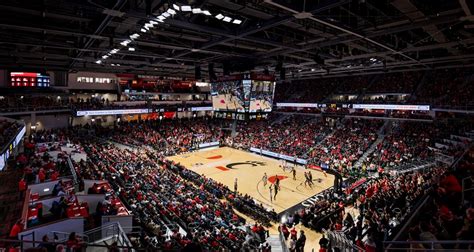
(197, 72)
(212, 74)
(279, 66)
(317, 58)
(266, 72)
(282, 73)
(226, 68)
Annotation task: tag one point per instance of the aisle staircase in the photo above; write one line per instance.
(369, 151)
(381, 135)
(274, 241)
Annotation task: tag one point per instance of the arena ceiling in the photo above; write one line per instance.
(305, 37)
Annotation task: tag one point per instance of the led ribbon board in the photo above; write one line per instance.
(392, 107)
(112, 112)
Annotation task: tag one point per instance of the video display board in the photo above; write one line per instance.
(27, 79)
(231, 95)
(261, 96)
(243, 93)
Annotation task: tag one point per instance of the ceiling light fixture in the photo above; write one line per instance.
(98, 62)
(134, 36)
(176, 7)
(142, 30)
(186, 8)
(206, 12)
(219, 16)
(153, 22)
(126, 42)
(197, 11)
(105, 56)
(166, 14)
(237, 21)
(227, 19)
(132, 49)
(171, 11)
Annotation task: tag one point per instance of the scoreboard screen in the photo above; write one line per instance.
(261, 96)
(243, 93)
(230, 95)
(29, 79)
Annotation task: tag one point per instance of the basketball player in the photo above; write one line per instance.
(310, 178)
(271, 193)
(293, 170)
(306, 179)
(277, 182)
(265, 179)
(277, 187)
(235, 185)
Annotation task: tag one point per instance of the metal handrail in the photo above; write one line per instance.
(66, 234)
(73, 172)
(430, 243)
(32, 233)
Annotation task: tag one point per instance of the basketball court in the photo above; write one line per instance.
(260, 105)
(226, 102)
(226, 164)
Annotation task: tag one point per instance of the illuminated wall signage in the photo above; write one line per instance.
(26, 79)
(20, 136)
(201, 109)
(2, 161)
(297, 105)
(392, 107)
(206, 145)
(112, 112)
(277, 155)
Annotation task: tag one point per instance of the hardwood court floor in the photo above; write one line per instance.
(258, 105)
(226, 164)
(226, 102)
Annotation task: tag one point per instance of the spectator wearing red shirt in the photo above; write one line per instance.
(16, 229)
(73, 243)
(54, 175)
(293, 233)
(41, 175)
(22, 187)
(285, 231)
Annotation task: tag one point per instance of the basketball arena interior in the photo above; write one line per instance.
(236, 125)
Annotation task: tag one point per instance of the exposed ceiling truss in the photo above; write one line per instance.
(310, 38)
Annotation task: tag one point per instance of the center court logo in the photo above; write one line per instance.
(252, 163)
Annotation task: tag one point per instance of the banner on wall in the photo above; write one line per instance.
(278, 155)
